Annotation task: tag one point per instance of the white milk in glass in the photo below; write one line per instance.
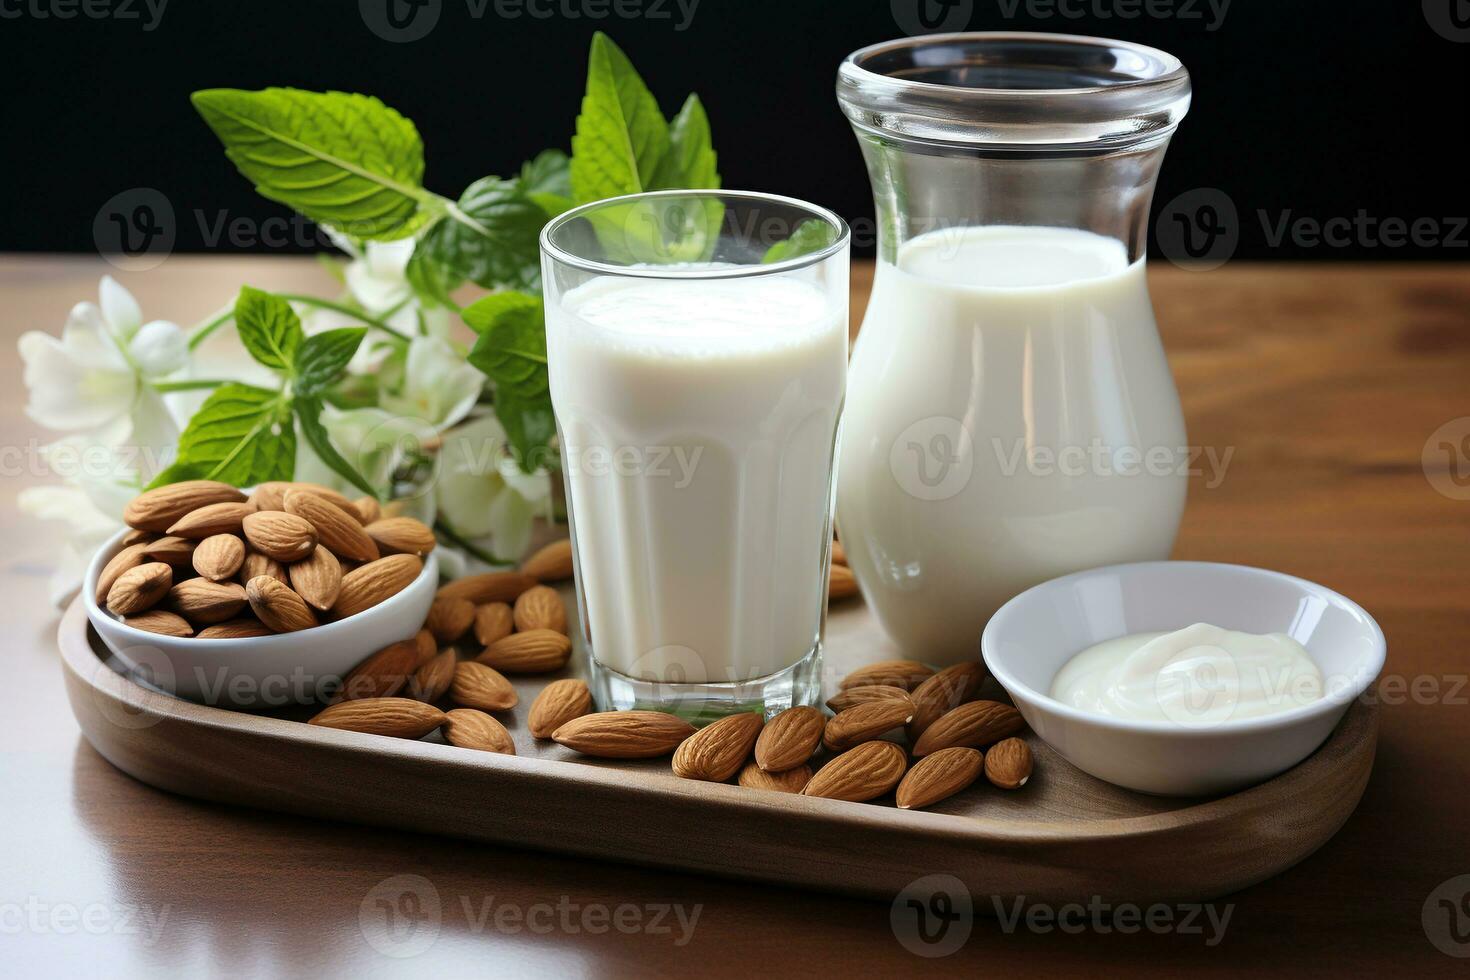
(1012, 418)
(698, 419)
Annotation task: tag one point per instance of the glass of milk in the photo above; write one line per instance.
(1012, 417)
(697, 349)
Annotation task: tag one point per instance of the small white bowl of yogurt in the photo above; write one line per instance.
(1183, 678)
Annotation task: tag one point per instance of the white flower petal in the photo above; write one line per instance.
(159, 348)
(119, 308)
(510, 524)
(68, 392)
(89, 340)
(439, 385)
(86, 528)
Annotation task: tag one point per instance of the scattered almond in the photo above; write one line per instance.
(790, 781)
(540, 608)
(907, 674)
(716, 752)
(624, 734)
(367, 510)
(1008, 763)
(939, 776)
(211, 519)
(552, 563)
(131, 556)
(383, 674)
(789, 739)
(176, 551)
(317, 578)
(258, 564)
(531, 652)
(471, 729)
(449, 619)
(864, 773)
(840, 583)
(396, 717)
(336, 528)
(201, 601)
(219, 556)
(160, 621)
(277, 606)
(135, 536)
(368, 585)
(156, 509)
(139, 588)
(865, 722)
(843, 700)
(431, 681)
(234, 629)
(493, 621)
(977, 724)
(558, 703)
(401, 536)
(488, 587)
(428, 648)
(284, 537)
(947, 689)
(479, 686)
(839, 554)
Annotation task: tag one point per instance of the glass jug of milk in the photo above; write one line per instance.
(1010, 414)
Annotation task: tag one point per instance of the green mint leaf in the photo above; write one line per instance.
(511, 348)
(430, 281)
(322, 357)
(490, 238)
(241, 435)
(343, 160)
(309, 414)
(809, 236)
(621, 135)
(268, 327)
(529, 427)
(547, 180)
(691, 160)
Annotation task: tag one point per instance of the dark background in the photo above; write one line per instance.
(1303, 108)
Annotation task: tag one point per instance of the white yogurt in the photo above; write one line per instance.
(1199, 676)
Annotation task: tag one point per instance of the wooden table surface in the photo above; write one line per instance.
(1327, 382)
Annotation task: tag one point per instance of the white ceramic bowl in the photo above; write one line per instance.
(262, 671)
(1038, 631)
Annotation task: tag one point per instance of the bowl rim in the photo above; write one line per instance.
(227, 645)
(1367, 669)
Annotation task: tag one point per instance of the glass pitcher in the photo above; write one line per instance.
(1010, 413)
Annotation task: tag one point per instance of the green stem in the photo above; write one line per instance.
(450, 535)
(358, 315)
(163, 387)
(203, 330)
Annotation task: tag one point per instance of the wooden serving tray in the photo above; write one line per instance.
(1064, 837)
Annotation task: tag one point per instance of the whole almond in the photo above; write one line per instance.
(160, 621)
(531, 652)
(431, 681)
(716, 752)
(396, 717)
(272, 496)
(383, 674)
(317, 578)
(865, 722)
(131, 556)
(478, 686)
(284, 537)
(401, 536)
(948, 689)
(449, 619)
(488, 587)
(939, 776)
(139, 587)
(843, 700)
(235, 629)
(540, 608)
(552, 563)
(367, 585)
(155, 510)
(841, 584)
(1008, 763)
(428, 646)
(472, 729)
(493, 621)
(258, 564)
(977, 724)
(790, 781)
(201, 601)
(219, 556)
(336, 529)
(839, 554)
(172, 549)
(864, 773)
(367, 510)
(211, 519)
(275, 605)
(135, 536)
(624, 734)
(907, 674)
(789, 739)
(558, 703)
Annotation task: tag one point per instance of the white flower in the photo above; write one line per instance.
(482, 494)
(377, 275)
(98, 371)
(87, 527)
(438, 385)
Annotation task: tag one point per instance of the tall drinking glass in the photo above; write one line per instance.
(697, 346)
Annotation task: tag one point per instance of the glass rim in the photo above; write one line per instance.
(552, 250)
